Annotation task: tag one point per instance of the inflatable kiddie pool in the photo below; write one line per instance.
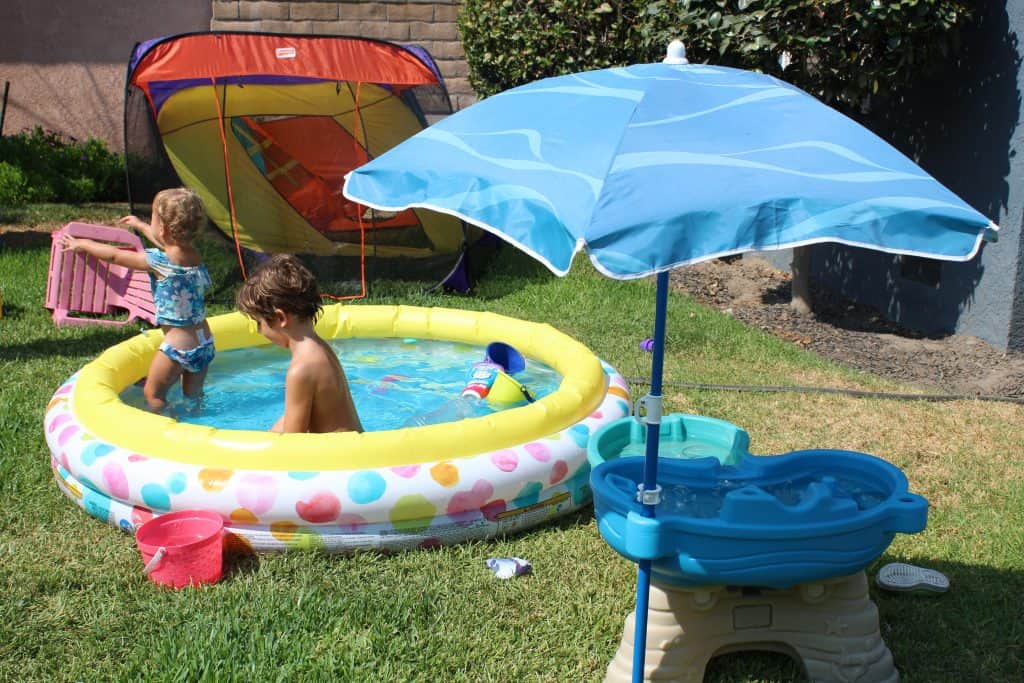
(394, 489)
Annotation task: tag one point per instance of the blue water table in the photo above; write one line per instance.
(727, 517)
(751, 552)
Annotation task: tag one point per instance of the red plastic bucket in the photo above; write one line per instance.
(183, 548)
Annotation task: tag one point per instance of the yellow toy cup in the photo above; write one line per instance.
(505, 391)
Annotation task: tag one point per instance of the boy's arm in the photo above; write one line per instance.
(352, 422)
(299, 389)
(106, 252)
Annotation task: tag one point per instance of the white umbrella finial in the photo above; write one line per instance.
(676, 53)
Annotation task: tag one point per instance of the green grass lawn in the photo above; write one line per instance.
(77, 607)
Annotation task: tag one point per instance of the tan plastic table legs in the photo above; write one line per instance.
(830, 627)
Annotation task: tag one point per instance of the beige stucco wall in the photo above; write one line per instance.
(66, 59)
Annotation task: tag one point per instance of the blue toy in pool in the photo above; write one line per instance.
(765, 521)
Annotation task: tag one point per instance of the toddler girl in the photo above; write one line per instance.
(179, 281)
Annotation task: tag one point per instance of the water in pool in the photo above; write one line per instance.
(394, 382)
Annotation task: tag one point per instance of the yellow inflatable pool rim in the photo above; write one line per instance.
(102, 413)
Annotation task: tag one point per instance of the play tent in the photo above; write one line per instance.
(265, 126)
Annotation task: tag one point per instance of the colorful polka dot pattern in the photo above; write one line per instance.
(412, 506)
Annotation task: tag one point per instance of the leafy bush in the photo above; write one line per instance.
(13, 187)
(846, 53)
(59, 169)
(79, 190)
(512, 42)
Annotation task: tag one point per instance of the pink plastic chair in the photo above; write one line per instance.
(79, 283)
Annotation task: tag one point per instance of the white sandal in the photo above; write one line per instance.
(898, 576)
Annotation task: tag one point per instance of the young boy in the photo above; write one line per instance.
(283, 298)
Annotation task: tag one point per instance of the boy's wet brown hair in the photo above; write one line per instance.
(281, 282)
(181, 211)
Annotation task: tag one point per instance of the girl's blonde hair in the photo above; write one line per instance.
(181, 211)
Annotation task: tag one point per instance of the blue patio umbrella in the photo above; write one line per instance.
(654, 166)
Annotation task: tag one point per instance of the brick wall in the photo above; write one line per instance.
(429, 23)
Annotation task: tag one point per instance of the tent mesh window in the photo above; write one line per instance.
(264, 128)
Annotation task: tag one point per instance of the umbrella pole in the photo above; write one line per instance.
(649, 493)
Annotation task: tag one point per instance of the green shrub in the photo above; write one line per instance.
(60, 169)
(105, 169)
(512, 42)
(13, 187)
(845, 53)
(79, 190)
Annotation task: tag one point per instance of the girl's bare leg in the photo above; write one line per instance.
(163, 373)
(192, 383)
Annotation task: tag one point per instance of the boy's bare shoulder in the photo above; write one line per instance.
(310, 363)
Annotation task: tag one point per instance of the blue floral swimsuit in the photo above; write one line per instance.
(179, 298)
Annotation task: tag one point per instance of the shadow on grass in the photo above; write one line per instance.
(506, 272)
(971, 632)
(91, 343)
(238, 563)
(580, 518)
(28, 239)
(833, 309)
(14, 311)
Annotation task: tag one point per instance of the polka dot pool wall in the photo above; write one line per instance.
(416, 505)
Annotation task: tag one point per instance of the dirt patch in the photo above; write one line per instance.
(21, 228)
(756, 293)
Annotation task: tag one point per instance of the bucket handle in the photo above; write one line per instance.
(154, 563)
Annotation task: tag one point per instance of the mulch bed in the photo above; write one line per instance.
(754, 292)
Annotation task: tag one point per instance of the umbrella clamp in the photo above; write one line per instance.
(647, 409)
(651, 497)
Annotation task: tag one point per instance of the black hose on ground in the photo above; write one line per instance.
(828, 390)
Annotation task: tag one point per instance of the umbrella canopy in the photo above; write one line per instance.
(654, 166)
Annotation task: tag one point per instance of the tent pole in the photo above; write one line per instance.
(364, 155)
(227, 170)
